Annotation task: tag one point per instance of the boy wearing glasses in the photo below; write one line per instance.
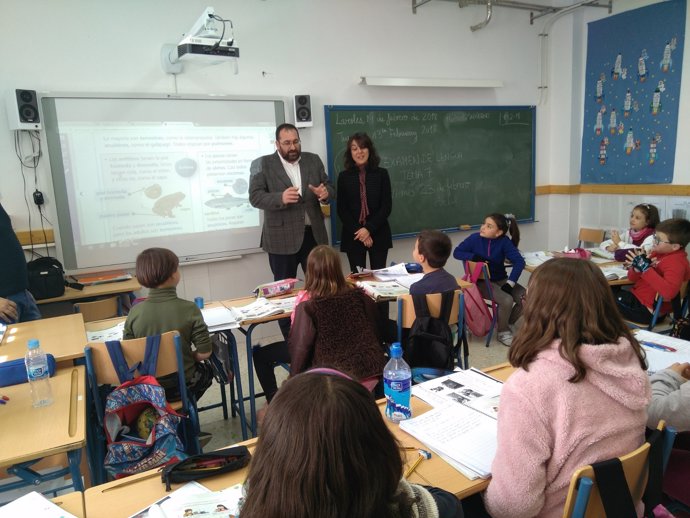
(661, 273)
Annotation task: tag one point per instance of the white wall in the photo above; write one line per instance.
(319, 47)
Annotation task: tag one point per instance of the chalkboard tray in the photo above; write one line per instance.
(449, 165)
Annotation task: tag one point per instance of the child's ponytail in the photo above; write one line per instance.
(513, 228)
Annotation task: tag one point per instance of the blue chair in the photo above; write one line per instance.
(679, 304)
(101, 371)
(406, 317)
(584, 499)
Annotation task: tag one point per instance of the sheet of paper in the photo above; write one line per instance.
(661, 358)
(105, 335)
(536, 258)
(388, 273)
(219, 317)
(33, 504)
(468, 387)
(458, 432)
(409, 279)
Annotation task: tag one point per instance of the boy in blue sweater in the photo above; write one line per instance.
(492, 245)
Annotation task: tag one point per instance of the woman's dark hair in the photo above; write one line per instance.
(363, 141)
(508, 224)
(324, 452)
(324, 276)
(570, 300)
(155, 266)
(651, 213)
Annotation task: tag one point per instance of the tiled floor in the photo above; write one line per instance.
(229, 432)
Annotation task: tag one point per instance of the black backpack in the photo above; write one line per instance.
(46, 278)
(430, 342)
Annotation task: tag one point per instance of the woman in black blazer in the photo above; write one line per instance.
(364, 204)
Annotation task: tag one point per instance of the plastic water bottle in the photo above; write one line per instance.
(38, 374)
(397, 385)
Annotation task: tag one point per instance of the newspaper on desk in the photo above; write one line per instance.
(199, 499)
(105, 335)
(461, 427)
(262, 308)
(662, 351)
(395, 273)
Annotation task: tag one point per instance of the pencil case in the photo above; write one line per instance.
(575, 253)
(13, 372)
(205, 465)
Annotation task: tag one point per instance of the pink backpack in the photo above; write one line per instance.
(477, 315)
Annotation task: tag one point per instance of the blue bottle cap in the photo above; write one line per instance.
(396, 350)
(33, 344)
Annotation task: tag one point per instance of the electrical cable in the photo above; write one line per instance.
(222, 34)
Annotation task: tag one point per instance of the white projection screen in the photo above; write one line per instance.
(130, 173)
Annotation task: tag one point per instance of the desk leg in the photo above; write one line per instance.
(250, 377)
(74, 459)
(232, 343)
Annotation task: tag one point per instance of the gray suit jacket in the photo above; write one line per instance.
(283, 229)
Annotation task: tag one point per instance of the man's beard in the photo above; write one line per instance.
(292, 155)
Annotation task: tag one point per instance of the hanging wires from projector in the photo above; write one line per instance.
(222, 34)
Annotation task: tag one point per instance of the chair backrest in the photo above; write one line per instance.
(635, 470)
(133, 350)
(469, 267)
(584, 499)
(590, 235)
(406, 314)
(99, 309)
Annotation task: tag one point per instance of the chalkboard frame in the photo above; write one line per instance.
(334, 168)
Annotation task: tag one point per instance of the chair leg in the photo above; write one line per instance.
(224, 401)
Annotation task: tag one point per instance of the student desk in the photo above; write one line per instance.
(95, 290)
(63, 337)
(125, 497)
(72, 502)
(613, 282)
(28, 434)
(247, 328)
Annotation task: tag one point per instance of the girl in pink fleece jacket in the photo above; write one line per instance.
(579, 394)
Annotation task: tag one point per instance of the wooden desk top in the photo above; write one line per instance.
(63, 337)
(124, 497)
(73, 503)
(28, 433)
(97, 290)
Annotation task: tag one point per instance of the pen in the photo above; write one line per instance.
(659, 347)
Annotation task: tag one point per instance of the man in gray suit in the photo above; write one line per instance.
(289, 186)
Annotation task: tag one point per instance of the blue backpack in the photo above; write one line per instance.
(140, 425)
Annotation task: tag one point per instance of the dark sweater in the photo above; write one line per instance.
(338, 332)
(13, 274)
(437, 281)
(379, 202)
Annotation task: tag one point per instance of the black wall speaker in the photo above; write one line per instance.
(22, 110)
(303, 117)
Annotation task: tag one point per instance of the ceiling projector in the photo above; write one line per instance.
(205, 42)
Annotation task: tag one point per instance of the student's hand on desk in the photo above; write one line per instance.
(8, 310)
(290, 195)
(612, 248)
(681, 368)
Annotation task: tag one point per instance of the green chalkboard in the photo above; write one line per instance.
(449, 166)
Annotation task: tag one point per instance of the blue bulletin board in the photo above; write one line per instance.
(632, 90)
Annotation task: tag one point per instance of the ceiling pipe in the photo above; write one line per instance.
(483, 24)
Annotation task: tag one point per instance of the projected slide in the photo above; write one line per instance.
(132, 173)
(144, 182)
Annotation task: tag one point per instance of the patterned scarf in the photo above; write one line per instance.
(364, 210)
